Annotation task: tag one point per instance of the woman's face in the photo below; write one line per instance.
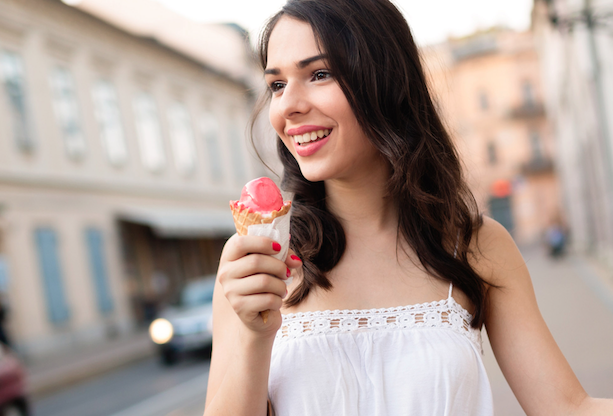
(309, 110)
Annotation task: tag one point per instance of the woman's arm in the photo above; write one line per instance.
(529, 357)
(249, 280)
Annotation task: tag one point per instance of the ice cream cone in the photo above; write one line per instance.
(244, 217)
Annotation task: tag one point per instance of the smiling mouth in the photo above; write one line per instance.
(311, 137)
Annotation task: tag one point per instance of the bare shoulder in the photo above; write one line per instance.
(494, 254)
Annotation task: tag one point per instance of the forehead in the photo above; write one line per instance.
(291, 40)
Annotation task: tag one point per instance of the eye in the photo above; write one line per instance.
(321, 74)
(276, 86)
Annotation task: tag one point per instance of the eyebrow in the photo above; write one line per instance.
(301, 64)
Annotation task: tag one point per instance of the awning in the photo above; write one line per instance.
(181, 223)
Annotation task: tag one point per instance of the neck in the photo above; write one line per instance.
(361, 204)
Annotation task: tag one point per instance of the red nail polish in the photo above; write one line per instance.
(276, 246)
(294, 257)
(288, 273)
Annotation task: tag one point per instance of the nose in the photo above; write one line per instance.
(294, 101)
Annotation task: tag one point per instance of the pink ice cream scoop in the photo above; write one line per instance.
(261, 195)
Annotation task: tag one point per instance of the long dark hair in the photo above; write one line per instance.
(373, 57)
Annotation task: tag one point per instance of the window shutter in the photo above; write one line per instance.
(51, 272)
(95, 245)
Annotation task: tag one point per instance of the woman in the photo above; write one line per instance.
(381, 217)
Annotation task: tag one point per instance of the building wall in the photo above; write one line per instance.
(480, 83)
(577, 67)
(47, 185)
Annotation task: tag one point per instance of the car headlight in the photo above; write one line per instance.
(161, 331)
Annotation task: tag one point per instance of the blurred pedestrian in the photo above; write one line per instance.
(381, 217)
(4, 310)
(556, 240)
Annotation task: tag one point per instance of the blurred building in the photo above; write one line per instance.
(575, 43)
(488, 88)
(120, 147)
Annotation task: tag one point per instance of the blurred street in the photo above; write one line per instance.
(145, 388)
(576, 303)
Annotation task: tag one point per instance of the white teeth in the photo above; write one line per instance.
(311, 136)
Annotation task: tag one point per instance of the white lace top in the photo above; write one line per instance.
(421, 360)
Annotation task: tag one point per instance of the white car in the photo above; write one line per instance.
(188, 326)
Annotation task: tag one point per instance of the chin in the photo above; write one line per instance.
(313, 175)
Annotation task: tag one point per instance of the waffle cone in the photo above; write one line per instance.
(243, 217)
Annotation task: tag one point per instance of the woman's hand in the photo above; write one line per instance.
(253, 281)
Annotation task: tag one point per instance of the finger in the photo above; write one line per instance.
(259, 264)
(292, 260)
(260, 283)
(240, 245)
(263, 302)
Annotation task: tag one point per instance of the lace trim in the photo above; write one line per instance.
(447, 314)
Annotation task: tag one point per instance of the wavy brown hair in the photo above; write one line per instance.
(372, 55)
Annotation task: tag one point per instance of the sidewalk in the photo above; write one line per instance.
(596, 276)
(58, 372)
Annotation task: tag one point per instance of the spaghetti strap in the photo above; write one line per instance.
(450, 290)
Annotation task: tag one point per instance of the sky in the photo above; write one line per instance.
(431, 21)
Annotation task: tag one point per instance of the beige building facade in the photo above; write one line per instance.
(118, 156)
(489, 90)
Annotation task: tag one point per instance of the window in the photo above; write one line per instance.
(483, 101)
(149, 132)
(97, 262)
(535, 145)
(108, 115)
(66, 109)
(210, 133)
(492, 155)
(528, 94)
(12, 73)
(182, 138)
(51, 272)
(237, 145)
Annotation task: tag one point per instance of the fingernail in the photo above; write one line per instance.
(286, 292)
(276, 246)
(288, 273)
(294, 257)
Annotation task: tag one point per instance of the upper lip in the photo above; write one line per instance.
(305, 129)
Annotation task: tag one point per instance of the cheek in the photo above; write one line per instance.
(278, 124)
(275, 120)
(289, 145)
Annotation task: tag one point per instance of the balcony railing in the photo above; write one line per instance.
(537, 165)
(527, 110)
